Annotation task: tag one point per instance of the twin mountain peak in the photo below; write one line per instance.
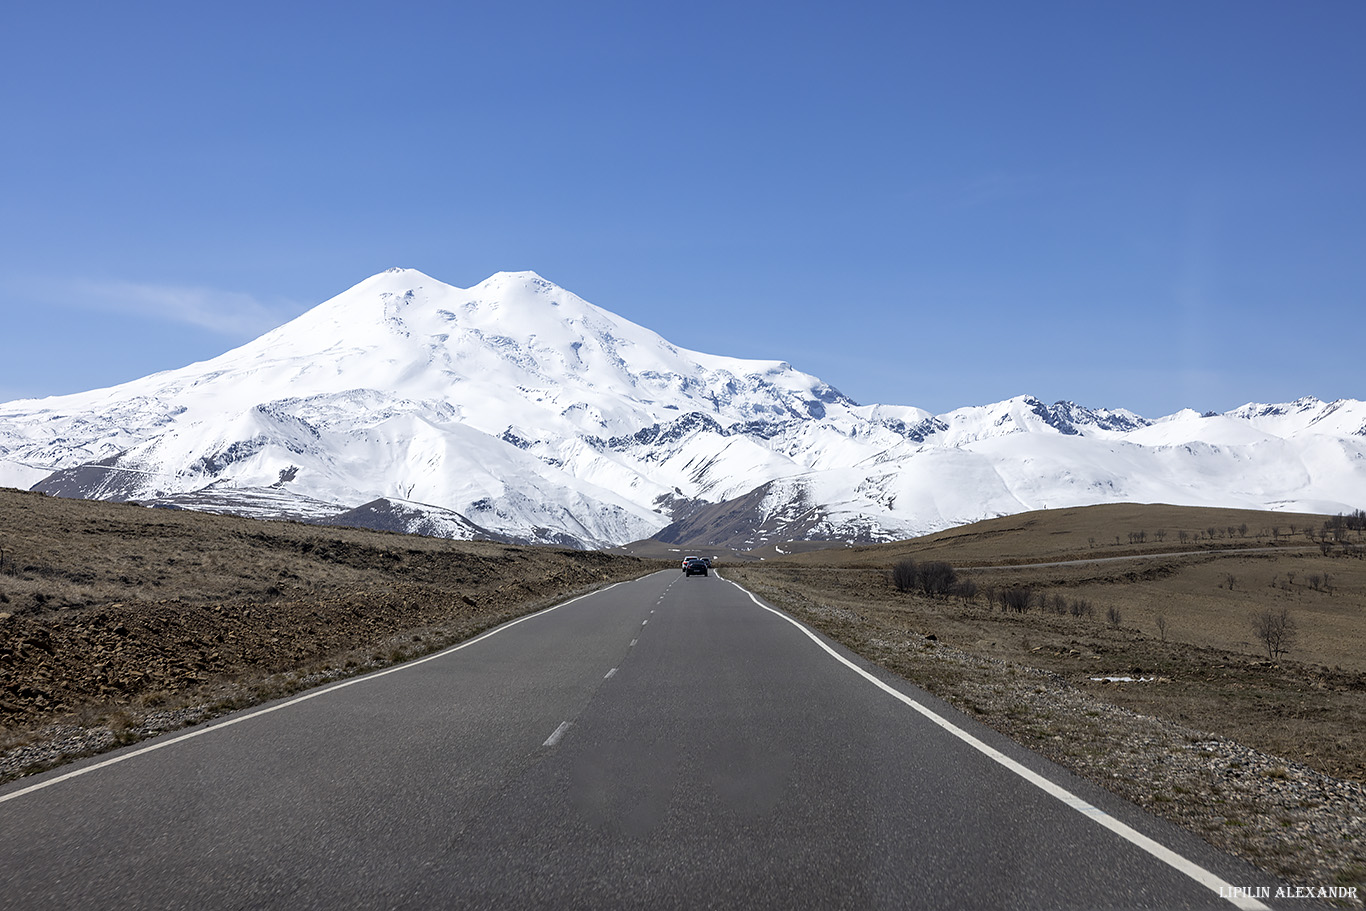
(517, 411)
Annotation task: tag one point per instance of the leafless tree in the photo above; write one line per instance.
(1276, 630)
(1162, 626)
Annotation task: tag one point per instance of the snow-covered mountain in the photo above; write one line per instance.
(518, 411)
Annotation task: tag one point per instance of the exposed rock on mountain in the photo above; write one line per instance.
(517, 411)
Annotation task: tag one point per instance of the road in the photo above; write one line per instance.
(665, 743)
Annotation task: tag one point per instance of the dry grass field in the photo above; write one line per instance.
(114, 614)
(118, 621)
(1108, 602)
(1187, 619)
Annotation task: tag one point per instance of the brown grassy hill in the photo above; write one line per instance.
(110, 613)
(1204, 575)
(1084, 532)
(1136, 662)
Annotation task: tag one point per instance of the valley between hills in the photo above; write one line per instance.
(1136, 663)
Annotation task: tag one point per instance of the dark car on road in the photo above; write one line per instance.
(695, 567)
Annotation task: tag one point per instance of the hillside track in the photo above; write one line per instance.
(669, 742)
(1206, 554)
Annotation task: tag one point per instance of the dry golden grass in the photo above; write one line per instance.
(1032, 675)
(1308, 705)
(108, 611)
(1089, 532)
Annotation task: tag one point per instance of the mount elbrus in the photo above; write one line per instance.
(517, 411)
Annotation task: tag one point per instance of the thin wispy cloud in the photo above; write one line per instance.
(229, 313)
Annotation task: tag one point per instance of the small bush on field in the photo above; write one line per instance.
(934, 579)
(903, 576)
(1017, 599)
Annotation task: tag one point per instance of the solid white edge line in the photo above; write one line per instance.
(554, 738)
(1220, 887)
(312, 694)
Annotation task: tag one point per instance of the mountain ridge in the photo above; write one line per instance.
(516, 409)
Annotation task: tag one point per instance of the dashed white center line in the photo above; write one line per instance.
(609, 674)
(634, 641)
(559, 732)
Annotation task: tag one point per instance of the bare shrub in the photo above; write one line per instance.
(1162, 626)
(1277, 631)
(903, 576)
(937, 579)
(934, 579)
(1114, 617)
(1017, 599)
(966, 589)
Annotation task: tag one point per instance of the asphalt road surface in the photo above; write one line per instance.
(663, 743)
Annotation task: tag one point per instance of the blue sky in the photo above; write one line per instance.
(1151, 205)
